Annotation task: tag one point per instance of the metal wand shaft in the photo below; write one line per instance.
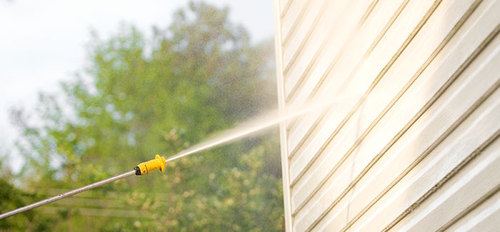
(67, 194)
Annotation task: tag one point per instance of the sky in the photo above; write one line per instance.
(43, 42)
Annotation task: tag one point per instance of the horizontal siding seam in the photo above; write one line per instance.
(445, 134)
(308, 34)
(307, 70)
(423, 155)
(365, 133)
(293, 124)
(445, 179)
(309, 66)
(471, 207)
(293, 28)
(303, 43)
(438, 49)
(379, 37)
(322, 48)
(310, 130)
(285, 10)
(361, 101)
(384, 70)
(372, 46)
(313, 60)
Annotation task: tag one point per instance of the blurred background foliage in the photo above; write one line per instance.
(145, 95)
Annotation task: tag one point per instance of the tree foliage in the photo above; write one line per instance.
(161, 94)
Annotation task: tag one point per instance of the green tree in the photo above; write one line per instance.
(141, 96)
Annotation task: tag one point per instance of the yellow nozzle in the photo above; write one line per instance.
(150, 166)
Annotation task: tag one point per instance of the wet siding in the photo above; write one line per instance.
(418, 149)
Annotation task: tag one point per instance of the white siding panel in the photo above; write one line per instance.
(336, 29)
(432, 170)
(400, 74)
(360, 79)
(358, 45)
(293, 14)
(330, 19)
(294, 41)
(483, 218)
(477, 179)
(283, 7)
(450, 108)
(419, 140)
(415, 145)
(330, 54)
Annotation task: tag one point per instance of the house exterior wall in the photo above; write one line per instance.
(417, 148)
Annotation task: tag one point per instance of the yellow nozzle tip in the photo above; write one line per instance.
(158, 163)
(162, 161)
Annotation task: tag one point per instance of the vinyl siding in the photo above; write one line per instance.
(417, 148)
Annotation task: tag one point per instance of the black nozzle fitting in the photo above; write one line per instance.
(137, 171)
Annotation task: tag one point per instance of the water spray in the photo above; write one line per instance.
(159, 163)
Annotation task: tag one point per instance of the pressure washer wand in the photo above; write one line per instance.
(144, 168)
